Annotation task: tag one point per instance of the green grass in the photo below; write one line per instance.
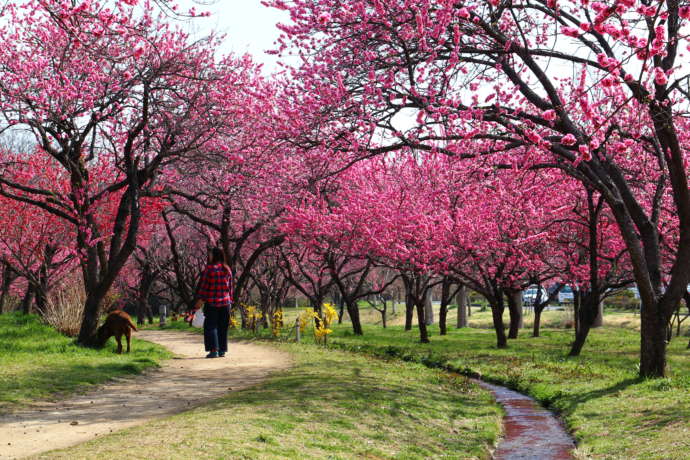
(330, 405)
(38, 363)
(612, 413)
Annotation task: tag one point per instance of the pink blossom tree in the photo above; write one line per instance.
(112, 94)
(485, 71)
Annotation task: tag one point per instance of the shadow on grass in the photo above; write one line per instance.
(363, 391)
(573, 401)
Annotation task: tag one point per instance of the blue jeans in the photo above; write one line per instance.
(216, 321)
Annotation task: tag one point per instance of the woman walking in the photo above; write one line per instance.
(215, 292)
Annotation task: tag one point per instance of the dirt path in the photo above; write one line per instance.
(182, 383)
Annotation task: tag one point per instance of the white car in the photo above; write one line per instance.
(566, 295)
(529, 295)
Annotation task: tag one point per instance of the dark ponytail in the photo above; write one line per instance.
(218, 256)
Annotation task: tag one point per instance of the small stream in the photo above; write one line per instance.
(529, 430)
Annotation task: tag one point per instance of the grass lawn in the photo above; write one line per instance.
(331, 405)
(612, 413)
(36, 362)
(481, 318)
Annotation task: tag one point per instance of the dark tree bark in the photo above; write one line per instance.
(445, 300)
(338, 299)
(463, 306)
(599, 319)
(497, 308)
(537, 323)
(515, 310)
(409, 311)
(421, 320)
(428, 308)
(8, 276)
(418, 287)
(27, 300)
(383, 312)
(353, 312)
(183, 285)
(447, 294)
(143, 293)
(587, 313)
(341, 311)
(540, 304)
(353, 285)
(589, 301)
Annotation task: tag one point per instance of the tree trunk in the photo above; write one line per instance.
(443, 313)
(463, 309)
(91, 313)
(41, 297)
(497, 315)
(27, 301)
(589, 307)
(353, 311)
(423, 333)
(7, 279)
(580, 338)
(428, 308)
(341, 310)
(653, 342)
(537, 322)
(143, 308)
(409, 311)
(383, 313)
(577, 301)
(515, 310)
(599, 319)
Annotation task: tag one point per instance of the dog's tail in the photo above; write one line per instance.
(131, 324)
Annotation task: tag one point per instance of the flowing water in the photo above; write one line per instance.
(529, 431)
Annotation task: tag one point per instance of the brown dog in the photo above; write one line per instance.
(118, 323)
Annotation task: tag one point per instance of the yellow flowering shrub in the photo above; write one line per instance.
(277, 323)
(329, 314)
(320, 323)
(306, 317)
(253, 316)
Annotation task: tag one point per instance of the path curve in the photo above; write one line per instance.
(530, 431)
(180, 384)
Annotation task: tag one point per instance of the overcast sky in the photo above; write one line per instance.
(249, 26)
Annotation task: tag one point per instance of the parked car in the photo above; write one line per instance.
(566, 295)
(529, 295)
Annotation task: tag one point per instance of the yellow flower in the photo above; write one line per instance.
(329, 314)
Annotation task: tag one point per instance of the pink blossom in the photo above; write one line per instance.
(660, 77)
(570, 31)
(323, 18)
(464, 13)
(584, 152)
(568, 139)
(549, 115)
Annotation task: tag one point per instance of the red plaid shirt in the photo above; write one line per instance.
(215, 286)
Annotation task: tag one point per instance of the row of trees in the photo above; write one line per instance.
(487, 146)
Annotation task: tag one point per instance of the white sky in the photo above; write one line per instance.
(249, 26)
